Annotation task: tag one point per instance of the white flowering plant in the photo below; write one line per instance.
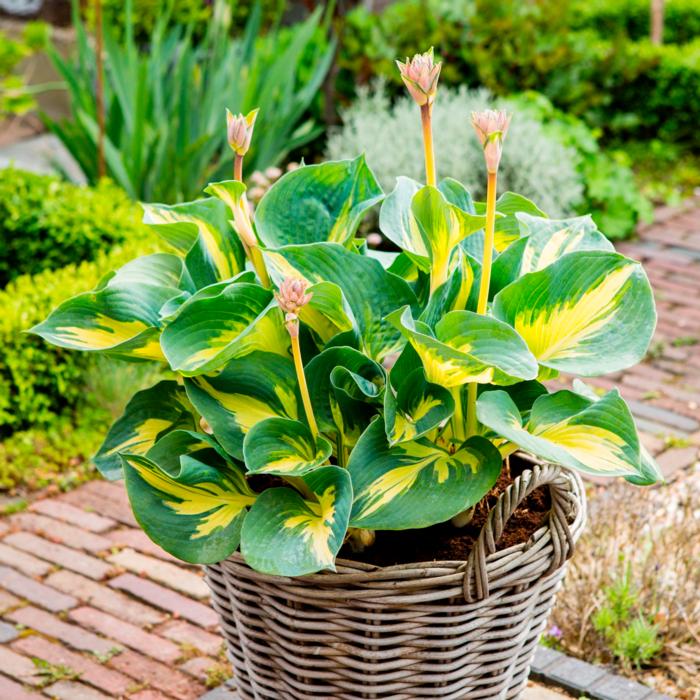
(325, 391)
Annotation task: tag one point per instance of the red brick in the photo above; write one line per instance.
(34, 591)
(677, 458)
(70, 690)
(104, 598)
(171, 575)
(22, 561)
(202, 667)
(166, 599)
(63, 556)
(148, 695)
(51, 626)
(90, 671)
(76, 516)
(19, 667)
(184, 633)
(161, 677)
(104, 498)
(139, 540)
(127, 634)
(57, 531)
(9, 690)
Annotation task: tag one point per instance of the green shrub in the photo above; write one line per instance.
(534, 164)
(46, 223)
(632, 18)
(37, 381)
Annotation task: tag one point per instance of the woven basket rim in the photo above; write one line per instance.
(358, 571)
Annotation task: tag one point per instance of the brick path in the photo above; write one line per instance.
(90, 609)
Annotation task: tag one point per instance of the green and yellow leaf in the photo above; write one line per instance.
(221, 323)
(121, 316)
(591, 312)
(467, 347)
(417, 484)
(149, 415)
(247, 390)
(598, 437)
(201, 231)
(287, 535)
(328, 313)
(284, 447)
(371, 291)
(195, 512)
(317, 203)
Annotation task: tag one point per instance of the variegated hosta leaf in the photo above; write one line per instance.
(441, 225)
(467, 347)
(121, 316)
(248, 389)
(598, 437)
(508, 228)
(328, 313)
(346, 389)
(223, 322)
(417, 484)
(371, 291)
(194, 512)
(458, 293)
(149, 415)
(317, 203)
(284, 447)
(589, 313)
(287, 535)
(201, 231)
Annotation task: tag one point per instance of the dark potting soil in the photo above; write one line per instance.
(446, 542)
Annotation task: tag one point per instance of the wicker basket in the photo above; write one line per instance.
(444, 629)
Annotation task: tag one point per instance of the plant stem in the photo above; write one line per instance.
(488, 244)
(458, 416)
(485, 282)
(256, 258)
(303, 387)
(426, 114)
(99, 90)
(238, 168)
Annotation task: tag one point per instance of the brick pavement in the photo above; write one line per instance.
(90, 609)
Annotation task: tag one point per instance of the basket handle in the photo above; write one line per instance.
(563, 502)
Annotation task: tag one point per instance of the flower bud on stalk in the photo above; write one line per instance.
(292, 297)
(491, 127)
(239, 131)
(420, 75)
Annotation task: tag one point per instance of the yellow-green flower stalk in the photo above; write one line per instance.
(420, 75)
(292, 296)
(491, 127)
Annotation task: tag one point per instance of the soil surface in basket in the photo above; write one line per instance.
(445, 542)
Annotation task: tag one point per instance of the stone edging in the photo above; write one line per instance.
(581, 678)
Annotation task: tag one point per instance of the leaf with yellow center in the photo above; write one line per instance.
(588, 313)
(194, 512)
(289, 535)
(417, 484)
(598, 437)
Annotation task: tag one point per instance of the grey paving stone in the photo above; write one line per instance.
(223, 692)
(545, 657)
(575, 675)
(613, 687)
(7, 632)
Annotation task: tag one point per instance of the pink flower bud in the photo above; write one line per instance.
(491, 127)
(420, 75)
(239, 130)
(292, 295)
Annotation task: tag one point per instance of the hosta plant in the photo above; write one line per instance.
(322, 391)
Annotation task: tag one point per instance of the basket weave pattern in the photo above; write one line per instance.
(444, 629)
